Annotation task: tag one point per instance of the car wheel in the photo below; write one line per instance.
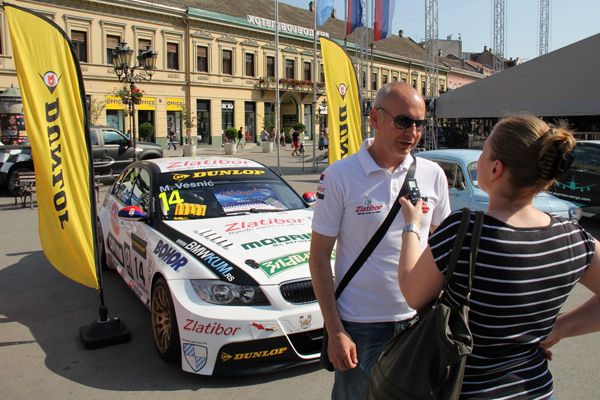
(164, 323)
(101, 248)
(12, 178)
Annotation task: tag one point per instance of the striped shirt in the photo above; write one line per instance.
(522, 278)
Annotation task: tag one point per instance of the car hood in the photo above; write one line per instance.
(542, 201)
(266, 248)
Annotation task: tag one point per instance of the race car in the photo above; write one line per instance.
(217, 249)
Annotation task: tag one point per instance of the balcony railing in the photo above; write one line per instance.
(290, 84)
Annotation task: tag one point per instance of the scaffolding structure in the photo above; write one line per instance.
(499, 13)
(544, 26)
(432, 72)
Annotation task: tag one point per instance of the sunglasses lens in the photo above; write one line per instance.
(404, 122)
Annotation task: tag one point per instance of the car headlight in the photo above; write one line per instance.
(575, 213)
(224, 293)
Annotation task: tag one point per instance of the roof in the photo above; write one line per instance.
(564, 82)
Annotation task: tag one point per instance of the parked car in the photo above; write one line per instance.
(112, 151)
(460, 166)
(217, 249)
(581, 183)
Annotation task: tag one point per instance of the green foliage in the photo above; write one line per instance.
(299, 127)
(187, 117)
(269, 122)
(96, 110)
(231, 133)
(146, 130)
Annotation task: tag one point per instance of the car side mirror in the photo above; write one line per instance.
(132, 213)
(309, 197)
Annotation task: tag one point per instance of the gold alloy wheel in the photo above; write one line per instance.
(161, 319)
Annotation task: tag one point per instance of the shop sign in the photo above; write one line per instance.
(174, 104)
(283, 27)
(114, 103)
(147, 104)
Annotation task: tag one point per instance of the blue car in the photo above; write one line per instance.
(460, 166)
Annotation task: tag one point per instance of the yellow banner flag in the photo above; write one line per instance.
(343, 103)
(53, 97)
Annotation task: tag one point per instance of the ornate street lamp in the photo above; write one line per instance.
(121, 62)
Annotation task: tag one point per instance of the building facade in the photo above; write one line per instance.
(216, 60)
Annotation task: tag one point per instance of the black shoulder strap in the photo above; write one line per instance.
(381, 231)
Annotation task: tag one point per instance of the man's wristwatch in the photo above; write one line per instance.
(412, 228)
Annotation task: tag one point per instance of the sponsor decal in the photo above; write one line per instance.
(321, 179)
(277, 265)
(210, 328)
(170, 255)
(115, 248)
(320, 189)
(114, 218)
(278, 241)
(368, 207)
(139, 245)
(253, 354)
(574, 186)
(236, 226)
(320, 196)
(305, 321)
(209, 259)
(195, 355)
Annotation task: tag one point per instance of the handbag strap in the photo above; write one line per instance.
(456, 248)
(381, 231)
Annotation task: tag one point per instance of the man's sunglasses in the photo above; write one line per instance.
(404, 122)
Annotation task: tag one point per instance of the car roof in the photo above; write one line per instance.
(465, 155)
(175, 164)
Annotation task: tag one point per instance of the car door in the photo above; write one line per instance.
(117, 148)
(459, 191)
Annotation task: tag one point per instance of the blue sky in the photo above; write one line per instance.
(570, 21)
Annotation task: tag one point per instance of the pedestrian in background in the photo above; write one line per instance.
(172, 140)
(527, 265)
(358, 191)
(240, 138)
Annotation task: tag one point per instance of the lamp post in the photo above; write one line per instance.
(125, 73)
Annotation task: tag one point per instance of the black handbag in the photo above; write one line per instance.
(362, 257)
(426, 359)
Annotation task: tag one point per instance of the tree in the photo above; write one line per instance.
(146, 130)
(96, 110)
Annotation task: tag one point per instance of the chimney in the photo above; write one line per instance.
(401, 33)
(334, 14)
(311, 6)
(484, 49)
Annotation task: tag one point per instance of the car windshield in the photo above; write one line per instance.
(214, 193)
(472, 171)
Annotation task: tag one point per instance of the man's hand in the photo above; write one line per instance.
(342, 351)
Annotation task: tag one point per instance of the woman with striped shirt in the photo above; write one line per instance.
(527, 265)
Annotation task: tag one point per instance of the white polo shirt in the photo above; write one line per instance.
(353, 198)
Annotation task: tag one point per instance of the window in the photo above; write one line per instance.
(143, 45)
(227, 62)
(307, 72)
(79, 39)
(374, 81)
(423, 88)
(270, 67)
(322, 77)
(173, 56)
(111, 42)
(384, 79)
(202, 59)
(249, 64)
(290, 72)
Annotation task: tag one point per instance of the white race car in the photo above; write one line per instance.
(217, 249)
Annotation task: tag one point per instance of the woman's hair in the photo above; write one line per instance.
(534, 152)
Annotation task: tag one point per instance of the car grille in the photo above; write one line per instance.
(307, 343)
(298, 292)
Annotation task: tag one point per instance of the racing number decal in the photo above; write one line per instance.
(174, 198)
(135, 271)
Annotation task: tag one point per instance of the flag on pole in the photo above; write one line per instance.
(384, 14)
(53, 104)
(355, 14)
(342, 101)
(324, 10)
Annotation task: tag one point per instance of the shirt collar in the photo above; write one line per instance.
(369, 165)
